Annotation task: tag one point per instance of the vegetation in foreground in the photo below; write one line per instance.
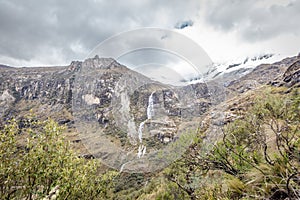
(36, 162)
(257, 157)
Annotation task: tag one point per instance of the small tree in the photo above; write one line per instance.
(44, 165)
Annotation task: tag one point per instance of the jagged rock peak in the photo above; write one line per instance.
(98, 62)
(95, 62)
(75, 66)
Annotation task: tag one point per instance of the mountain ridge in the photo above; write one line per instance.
(27, 83)
(54, 91)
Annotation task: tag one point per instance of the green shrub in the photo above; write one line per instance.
(258, 156)
(36, 161)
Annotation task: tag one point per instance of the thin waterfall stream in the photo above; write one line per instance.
(150, 114)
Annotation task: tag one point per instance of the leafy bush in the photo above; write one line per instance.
(37, 162)
(257, 158)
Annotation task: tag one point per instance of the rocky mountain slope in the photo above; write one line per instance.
(131, 110)
(102, 93)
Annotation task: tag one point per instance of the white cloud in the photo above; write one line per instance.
(57, 32)
(235, 34)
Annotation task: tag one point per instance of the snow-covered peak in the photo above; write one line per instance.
(241, 65)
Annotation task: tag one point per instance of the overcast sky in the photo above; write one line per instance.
(55, 32)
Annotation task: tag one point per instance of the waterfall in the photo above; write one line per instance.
(144, 151)
(150, 114)
(142, 148)
(150, 108)
(141, 151)
(140, 131)
(122, 167)
(139, 154)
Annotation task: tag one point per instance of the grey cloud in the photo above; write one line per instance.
(254, 22)
(226, 15)
(31, 29)
(145, 56)
(157, 45)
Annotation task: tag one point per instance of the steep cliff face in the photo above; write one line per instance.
(92, 92)
(49, 90)
(291, 76)
(131, 115)
(45, 90)
(51, 86)
(105, 100)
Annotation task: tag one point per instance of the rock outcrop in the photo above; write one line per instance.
(262, 74)
(291, 76)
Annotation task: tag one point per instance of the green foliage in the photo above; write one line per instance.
(44, 164)
(261, 150)
(258, 156)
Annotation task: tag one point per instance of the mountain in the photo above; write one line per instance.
(101, 98)
(238, 67)
(4, 66)
(102, 93)
(140, 126)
